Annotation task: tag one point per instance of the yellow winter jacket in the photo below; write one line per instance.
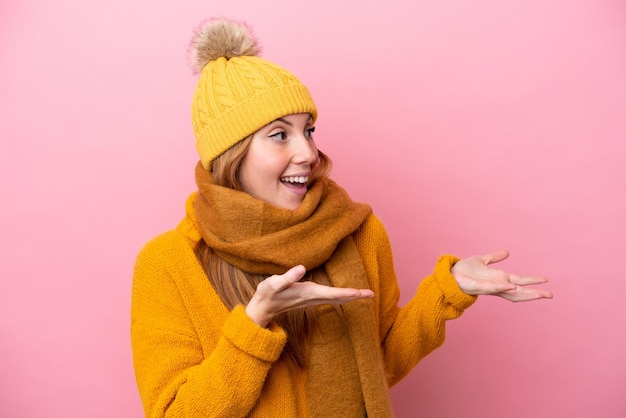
(194, 358)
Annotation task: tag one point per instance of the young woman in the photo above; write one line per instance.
(276, 295)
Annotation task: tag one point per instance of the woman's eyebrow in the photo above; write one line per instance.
(283, 120)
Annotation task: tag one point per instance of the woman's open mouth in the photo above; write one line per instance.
(295, 181)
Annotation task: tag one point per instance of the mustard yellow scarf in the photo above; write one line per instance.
(259, 238)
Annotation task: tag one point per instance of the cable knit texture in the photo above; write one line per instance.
(194, 358)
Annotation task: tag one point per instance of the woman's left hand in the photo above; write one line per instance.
(475, 277)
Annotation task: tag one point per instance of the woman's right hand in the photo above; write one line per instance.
(280, 293)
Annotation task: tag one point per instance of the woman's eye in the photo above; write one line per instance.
(279, 135)
(309, 132)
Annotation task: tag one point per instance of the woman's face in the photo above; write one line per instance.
(279, 161)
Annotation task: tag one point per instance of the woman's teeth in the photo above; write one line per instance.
(296, 179)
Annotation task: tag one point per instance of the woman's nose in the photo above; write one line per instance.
(305, 150)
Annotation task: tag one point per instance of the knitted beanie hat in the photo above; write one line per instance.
(237, 92)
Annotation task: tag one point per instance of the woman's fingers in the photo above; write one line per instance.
(495, 257)
(525, 294)
(526, 280)
(310, 293)
(280, 282)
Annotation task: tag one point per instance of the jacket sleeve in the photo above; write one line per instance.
(409, 333)
(176, 377)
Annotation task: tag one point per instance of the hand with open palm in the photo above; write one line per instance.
(475, 277)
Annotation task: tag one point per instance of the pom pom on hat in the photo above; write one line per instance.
(238, 92)
(217, 38)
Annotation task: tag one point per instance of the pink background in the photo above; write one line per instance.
(469, 126)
